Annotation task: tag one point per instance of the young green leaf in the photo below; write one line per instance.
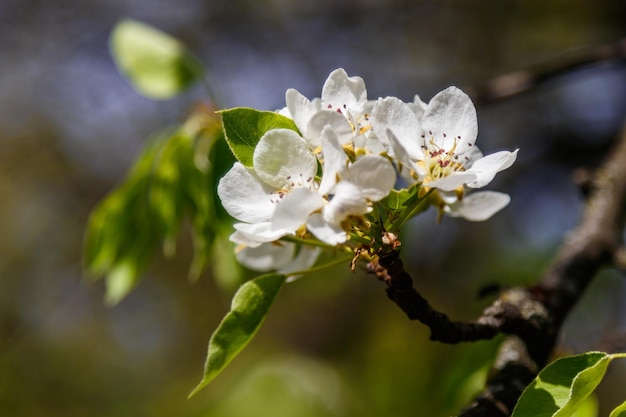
(156, 64)
(247, 312)
(620, 411)
(562, 386)
(244, 127)
(164, 186)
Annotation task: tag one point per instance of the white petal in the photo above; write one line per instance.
(451, 112)
(284, 112)
(243, 239)
(348, 200)
(301, 108)
(267, 257)
(260, 232)
(294, 209)
(245, 196)
(335, 160)
(340, 90)
(372, 143)
(304, 260)
(479, 206)
(453, 181)
(337, 121)
(487, 167)
(418, 107)
(282, 157)
(332, 234)
(391, 114)
(373, 175)
(405, 164)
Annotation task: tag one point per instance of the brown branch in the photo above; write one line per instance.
(532, 317)
(586, 249)
(514, 313)
(514, 83)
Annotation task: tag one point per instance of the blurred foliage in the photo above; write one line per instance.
(332, 344)
(156, 64)
(172, 179)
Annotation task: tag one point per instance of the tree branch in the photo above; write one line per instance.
(532, 317)
(515, 312)
(518, 82)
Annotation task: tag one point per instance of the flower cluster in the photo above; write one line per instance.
(328, 181)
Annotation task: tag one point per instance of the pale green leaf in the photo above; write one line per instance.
(398, 199)
(244, 127)
(120, 280)
(588, 408)
(562, 386)
(155, 63)
(620, 411)
(248, 310)
(164, 187)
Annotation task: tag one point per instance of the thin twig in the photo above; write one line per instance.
(517, 82)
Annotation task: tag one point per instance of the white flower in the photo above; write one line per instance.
(343, 105)
(439, 149)
(277, 256)
(274, 198)
(352, 187)
(280, 194)
(478, 206)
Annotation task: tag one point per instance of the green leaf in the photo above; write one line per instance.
(620, 411)
(244, 127)
(397, 199)
(164, 186)
(248, 310)
(156, 64)
(562, 386)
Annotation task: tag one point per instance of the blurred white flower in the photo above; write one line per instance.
(282, 257)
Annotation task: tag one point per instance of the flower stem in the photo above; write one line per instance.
(417, 207)
(309, 242)
(322, 266)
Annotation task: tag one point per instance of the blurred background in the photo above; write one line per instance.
(333, 345)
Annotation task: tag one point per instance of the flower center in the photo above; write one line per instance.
(360, 123)
(440, 162)
(297, 181)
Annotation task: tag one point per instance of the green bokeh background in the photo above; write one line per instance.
(332, 345)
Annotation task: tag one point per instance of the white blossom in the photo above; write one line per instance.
(343, 105)
(282, 257)
(274, 198)
(438, 149)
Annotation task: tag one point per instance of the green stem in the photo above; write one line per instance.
(420, 205)
(321, 267)
(309, 242)
(359, 239)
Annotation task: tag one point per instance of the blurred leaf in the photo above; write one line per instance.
(225, 270)
(156, 64)
(165, 185)
(248, 310)
(244, 127)
(620, 411)
(562, 386)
